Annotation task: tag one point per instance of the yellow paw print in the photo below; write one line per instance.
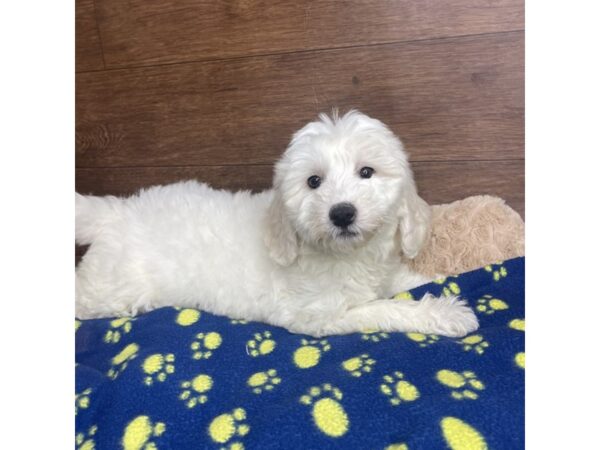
(157, 367)
(517, 324)
(85, 441)
(327, 411)
(461, 436)
(475, 343)
(82, 400)
(404, 296)
(457, 381)
(450, 288)
(520, 359)
(225, 427)
(309, 354)
(424, 340)
(194, 391)
(139, 432)
(358, 365)
(77, 324)
(498, 271)
(400, 446)
(263, 381)
(238, 322)
(398, 389)
(205, 344)
(374, 335)
(489, 305)
(118, 327)
(187, 317)
(262, 344)
(121, 360)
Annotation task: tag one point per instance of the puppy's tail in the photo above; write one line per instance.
(91, 215)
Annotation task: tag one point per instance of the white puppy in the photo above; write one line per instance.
(318, 254)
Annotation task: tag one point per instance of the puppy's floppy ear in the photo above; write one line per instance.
(280, 237)
(414, 220)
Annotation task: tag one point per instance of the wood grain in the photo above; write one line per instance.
(439, 182)
(145, 32)
(445, 182)
(126, 181)
(88, 50)
(459, 98)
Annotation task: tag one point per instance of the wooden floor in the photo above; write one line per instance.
(175, 89)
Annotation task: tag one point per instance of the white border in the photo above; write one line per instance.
(562, 173)
(37, 183)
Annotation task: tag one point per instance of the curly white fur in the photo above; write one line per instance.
(274, 256)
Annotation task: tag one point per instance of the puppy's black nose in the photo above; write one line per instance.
(342, 214)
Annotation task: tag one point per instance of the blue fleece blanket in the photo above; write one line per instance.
(185, 379)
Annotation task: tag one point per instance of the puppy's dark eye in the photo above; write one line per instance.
(314, 182)
(366, 172)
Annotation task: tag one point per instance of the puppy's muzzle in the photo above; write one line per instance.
(342, 214)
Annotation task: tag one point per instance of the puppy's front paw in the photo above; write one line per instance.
(450, 316)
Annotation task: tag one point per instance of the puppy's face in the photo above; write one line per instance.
(340, 180)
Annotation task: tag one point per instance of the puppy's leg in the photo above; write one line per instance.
(403, 279)
(446, 316)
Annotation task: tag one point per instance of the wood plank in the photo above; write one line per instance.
(79, 252)
(459, 98)
(128, 180)
(88, 50)
(445, 182)
(146, 32)
(439, 182)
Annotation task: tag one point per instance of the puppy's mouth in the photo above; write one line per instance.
(347, 234)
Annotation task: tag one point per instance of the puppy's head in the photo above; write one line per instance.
(338, 183)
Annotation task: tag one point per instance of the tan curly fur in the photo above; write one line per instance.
(469, 234)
